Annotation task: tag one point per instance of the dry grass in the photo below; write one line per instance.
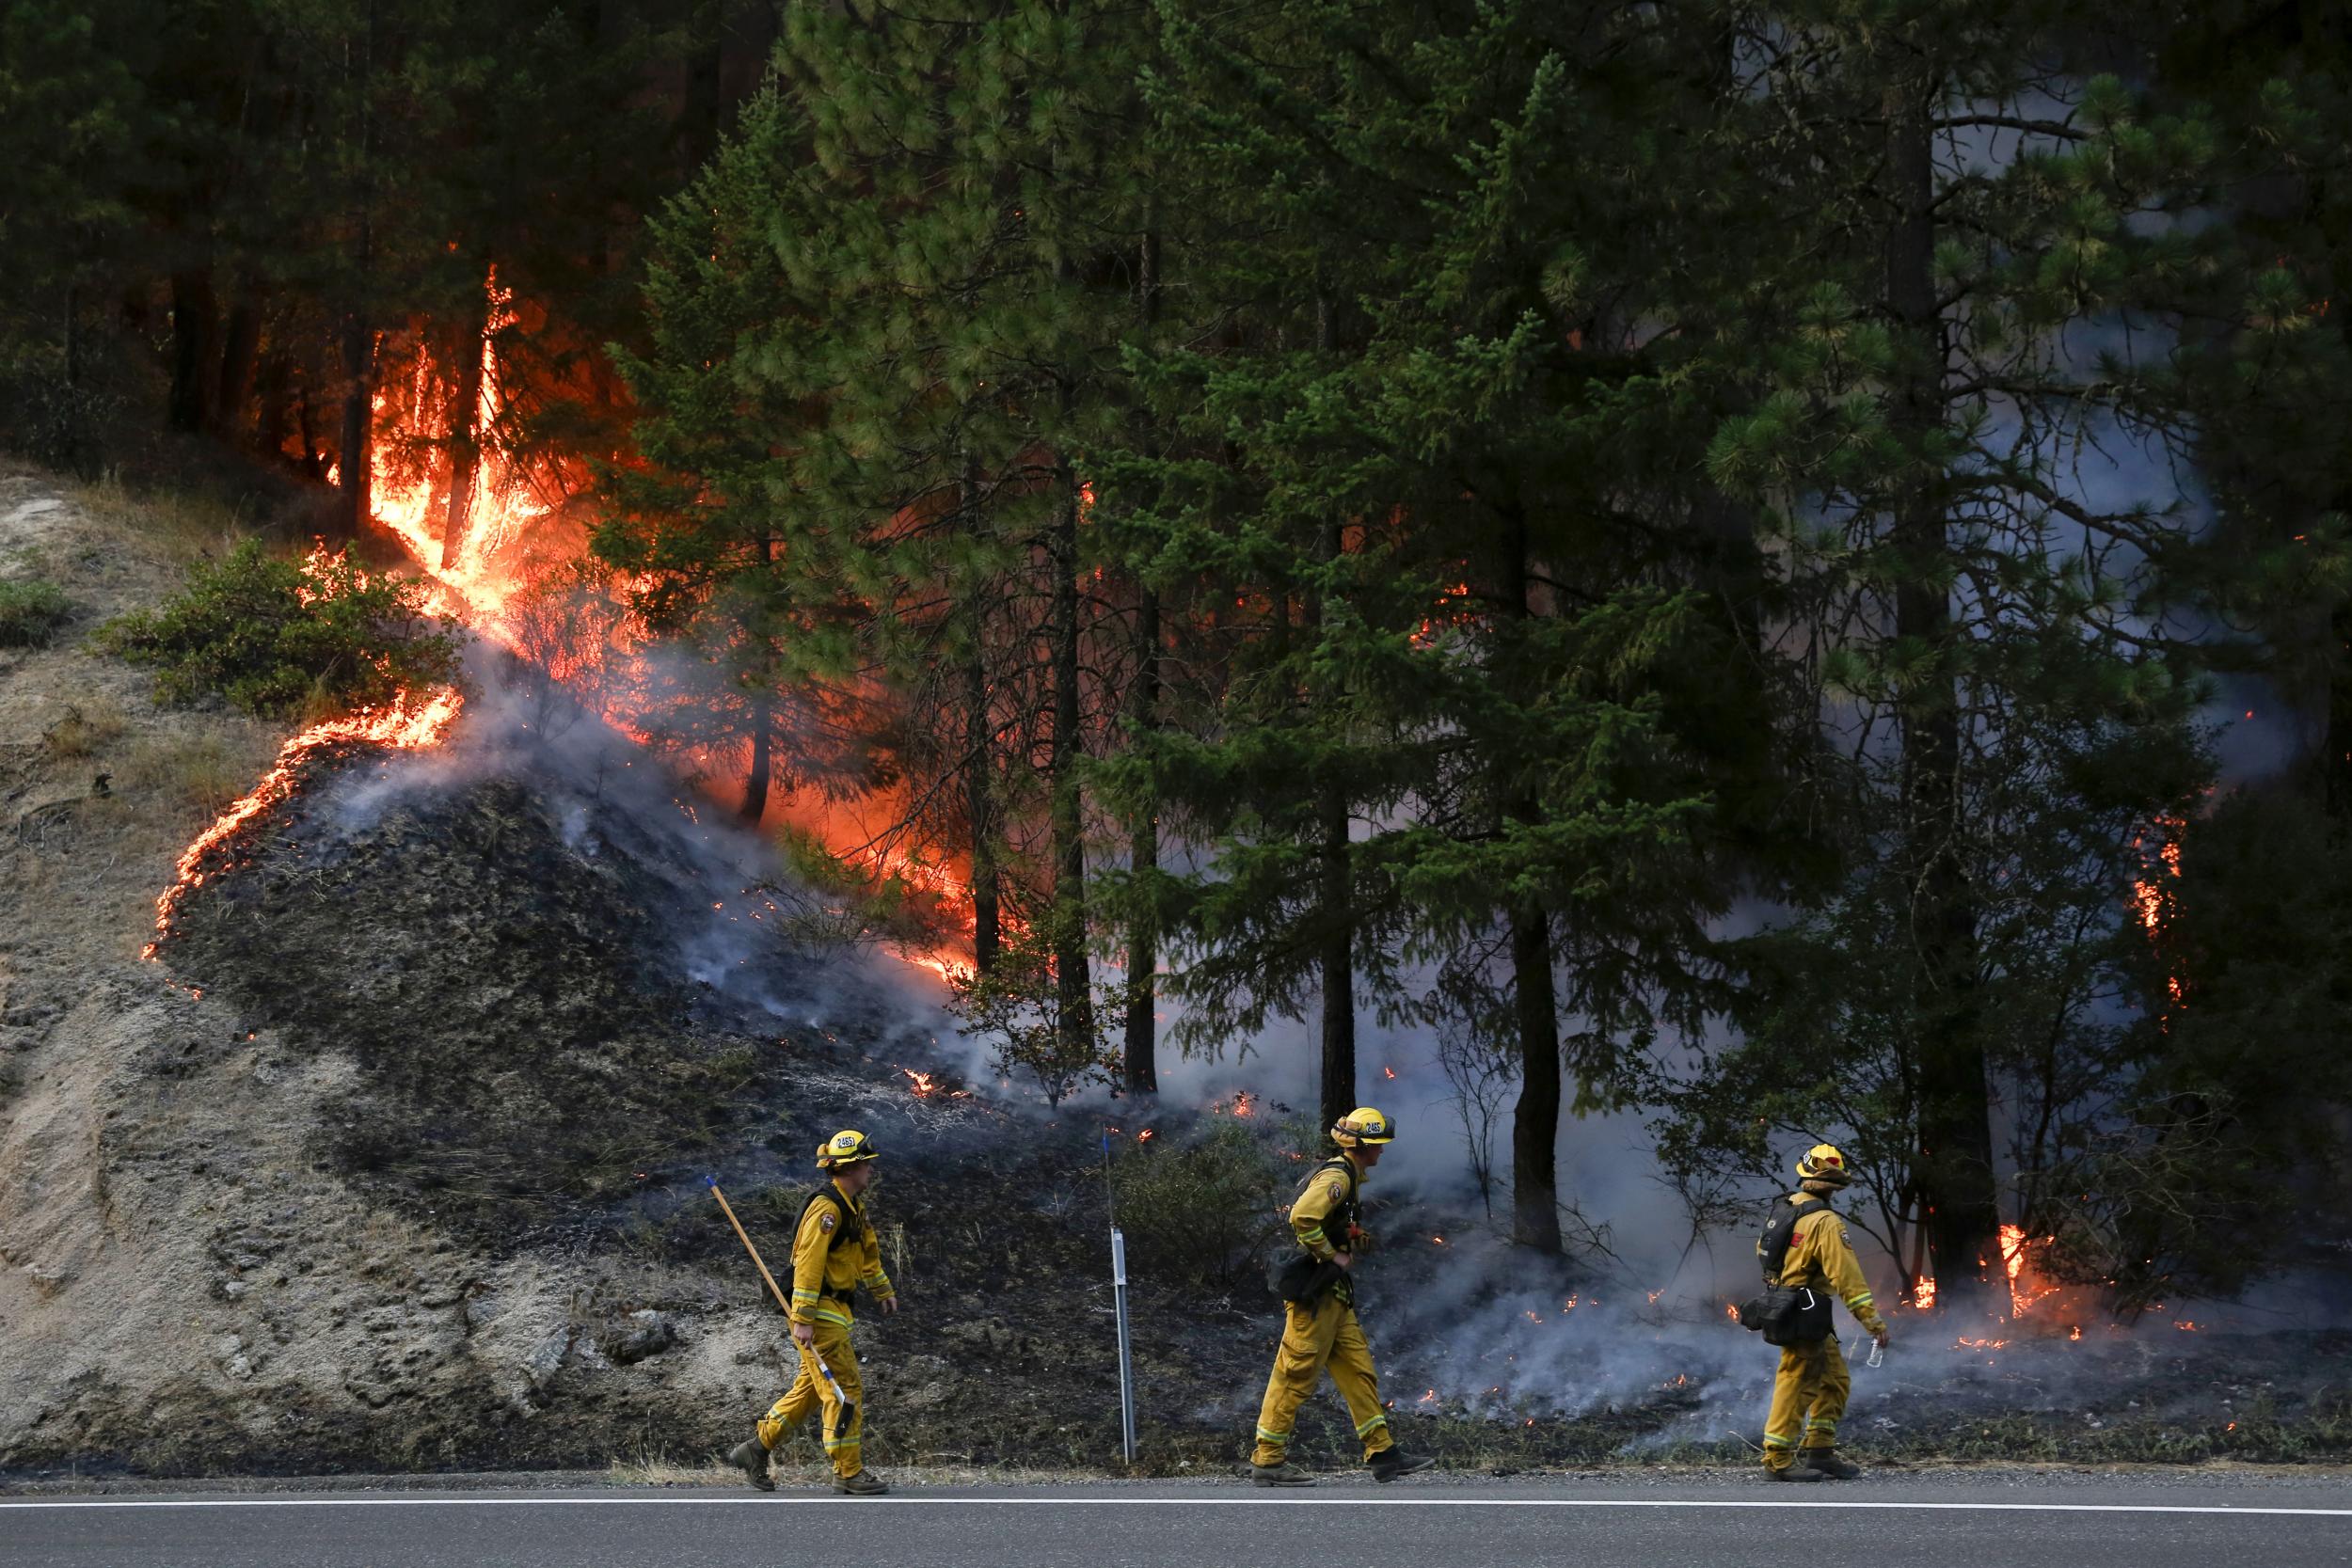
(187, 771)
(184, 528)
(86, 728)
(657, 1467)
(652, 1467)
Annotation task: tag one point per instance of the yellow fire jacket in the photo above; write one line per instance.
(1822, 1256)
(823, 1275)
(1313, 1217)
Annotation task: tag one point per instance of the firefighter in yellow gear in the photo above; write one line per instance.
(833, 1251)
(1320, 1332)
(1810, 1391)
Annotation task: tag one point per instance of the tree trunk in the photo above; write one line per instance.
(1143, 947)
(358, 336)
(979, 747)
(1335, 960)
(73, 334)
(1073, 988)
(1335, 957)
(2336, 761)
(755, 783)
(195, 334)
(465, 444)
(1536, 1120)
(763, 720)
(1143, 846)
(241, 345)
(978, 774)
(702, 113)
(358, 404)
(1955, 1110)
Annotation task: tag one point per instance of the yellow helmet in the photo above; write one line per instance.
(844, 1148)
(1362, 1125)
(1822, 1162)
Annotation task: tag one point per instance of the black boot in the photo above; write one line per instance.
(1388, 1464)
(1793, 1472)
(750, 1457)
(1827, 1462)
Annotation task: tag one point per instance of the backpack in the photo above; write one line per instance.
(1304, 1278)
(1786, 1314)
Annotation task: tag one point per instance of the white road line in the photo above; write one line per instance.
(1173, 1502)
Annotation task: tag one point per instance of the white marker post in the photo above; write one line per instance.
(1126, 1362)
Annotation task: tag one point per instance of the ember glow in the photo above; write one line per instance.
(409, 725)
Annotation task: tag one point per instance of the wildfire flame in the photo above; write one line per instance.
(2023, 1292)
(501, 503)
(2151, 898)
(1923, 1296)
(411, 723)
(922, 1083)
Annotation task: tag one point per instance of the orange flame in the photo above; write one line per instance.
(1923, 1296)
(409, 723)
(2023, 1292)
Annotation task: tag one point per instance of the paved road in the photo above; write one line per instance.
(1880, 1521)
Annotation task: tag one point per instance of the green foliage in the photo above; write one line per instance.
(1207, 1210)
(272, 635)
(31, 611)
(1016, 1006)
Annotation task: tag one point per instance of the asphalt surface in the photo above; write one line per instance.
(1885, 1521)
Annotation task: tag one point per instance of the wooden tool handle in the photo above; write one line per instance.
(724, 1208)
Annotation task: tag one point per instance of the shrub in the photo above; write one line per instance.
(272, 635)
(1016, 1007)
(1209, 1211)
(31, 611)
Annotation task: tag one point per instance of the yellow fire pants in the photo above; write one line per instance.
(811, 1391)
(1326, 1338)
(1809, 1395)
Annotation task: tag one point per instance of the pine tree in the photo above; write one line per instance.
(1989, 289)
(1500, 649)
